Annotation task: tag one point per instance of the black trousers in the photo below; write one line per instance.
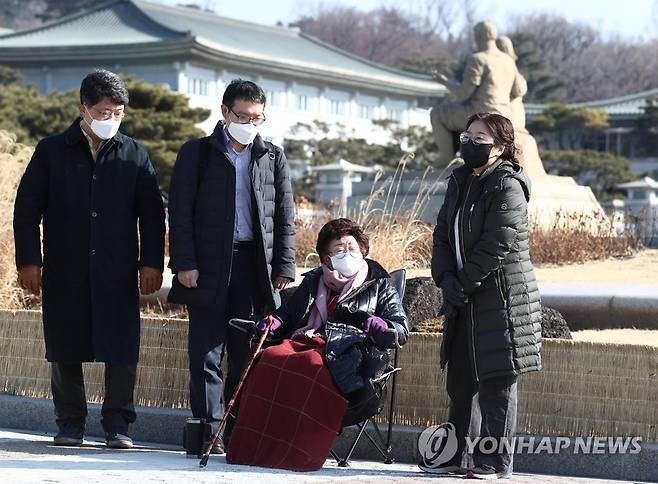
(485, 409)
(68, 388)
(210, 337)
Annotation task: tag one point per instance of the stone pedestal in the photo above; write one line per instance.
(554, 197)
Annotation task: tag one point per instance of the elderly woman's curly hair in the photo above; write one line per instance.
(338, 228)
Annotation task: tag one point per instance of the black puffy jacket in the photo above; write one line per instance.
(202, 216)
(375, 297)
(355, 361)
(504, 311)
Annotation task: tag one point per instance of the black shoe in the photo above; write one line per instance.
(116, 440)
(245, 325)
(442, 470)
(217, 449)
(70, 434)
(487, 472)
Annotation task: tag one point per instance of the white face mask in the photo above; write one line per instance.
(347, 264)
(105, 129)
(242, 133)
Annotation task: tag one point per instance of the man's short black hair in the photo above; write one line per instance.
(100, 84)
(244, 90)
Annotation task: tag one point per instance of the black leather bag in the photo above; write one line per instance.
(356, 366)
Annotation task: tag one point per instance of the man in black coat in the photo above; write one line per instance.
(92, 187)
(231, 242)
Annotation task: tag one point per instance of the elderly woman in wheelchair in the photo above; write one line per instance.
(330, 365)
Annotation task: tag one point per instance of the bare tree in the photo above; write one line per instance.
(588, 66)
(425, 35)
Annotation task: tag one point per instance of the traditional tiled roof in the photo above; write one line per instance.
(622, 107)
(144, 26)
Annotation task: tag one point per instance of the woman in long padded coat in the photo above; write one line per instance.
(481, 261)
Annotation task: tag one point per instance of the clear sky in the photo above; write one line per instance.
(631, 19)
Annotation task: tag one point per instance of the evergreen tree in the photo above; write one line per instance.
(542, 86)
(156, 117)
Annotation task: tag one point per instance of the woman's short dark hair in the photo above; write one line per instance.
(502, 131)
(100, 84)
(245, 90)
(337, 229)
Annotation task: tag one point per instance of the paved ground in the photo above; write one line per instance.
(30, 458)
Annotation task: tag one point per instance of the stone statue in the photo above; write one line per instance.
(491, 80)
(504, 43)
(492, 83)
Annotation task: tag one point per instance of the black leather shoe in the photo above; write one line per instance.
(115, 440)
(245, 325)
(70, 434)
(217, 449)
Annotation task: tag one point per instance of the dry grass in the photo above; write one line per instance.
(579, 237)
(398, 237)
(13, 158)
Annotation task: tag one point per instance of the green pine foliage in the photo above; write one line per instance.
(156, 117)
(543, 86)
(601, 171)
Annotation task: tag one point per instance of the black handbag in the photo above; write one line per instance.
(356, 366)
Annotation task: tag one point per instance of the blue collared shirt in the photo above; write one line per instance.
(243, 229)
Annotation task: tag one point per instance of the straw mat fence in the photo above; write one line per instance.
(585, 389)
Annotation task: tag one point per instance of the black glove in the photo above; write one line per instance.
(453, 291)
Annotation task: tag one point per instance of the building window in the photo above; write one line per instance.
(197, 87)
(337, 108)
(394, 114)
(366, 111)
(304, 102)
(639, 195)
(275, 98)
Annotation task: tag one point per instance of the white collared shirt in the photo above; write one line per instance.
(243, 229)
(94, 152)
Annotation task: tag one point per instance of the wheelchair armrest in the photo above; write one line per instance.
(385, 376)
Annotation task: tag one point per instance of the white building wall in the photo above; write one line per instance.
(348, 113)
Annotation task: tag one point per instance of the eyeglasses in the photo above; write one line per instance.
(108, 113)
(477, 140)
(245, 118)
(341, 252)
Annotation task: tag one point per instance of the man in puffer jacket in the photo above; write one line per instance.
(231, 241)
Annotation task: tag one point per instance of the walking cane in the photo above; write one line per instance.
(236, 393)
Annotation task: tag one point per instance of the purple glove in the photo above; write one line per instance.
(374, 325)
(276, 324)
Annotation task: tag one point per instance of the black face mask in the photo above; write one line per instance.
(475, 156)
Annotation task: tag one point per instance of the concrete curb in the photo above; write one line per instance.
(165, 426)
(603, 305)
(594, 305)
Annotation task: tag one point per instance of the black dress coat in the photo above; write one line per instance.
(91, 211)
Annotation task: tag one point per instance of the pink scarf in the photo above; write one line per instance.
(331, 280)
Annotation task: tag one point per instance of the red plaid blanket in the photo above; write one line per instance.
(290, 409)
